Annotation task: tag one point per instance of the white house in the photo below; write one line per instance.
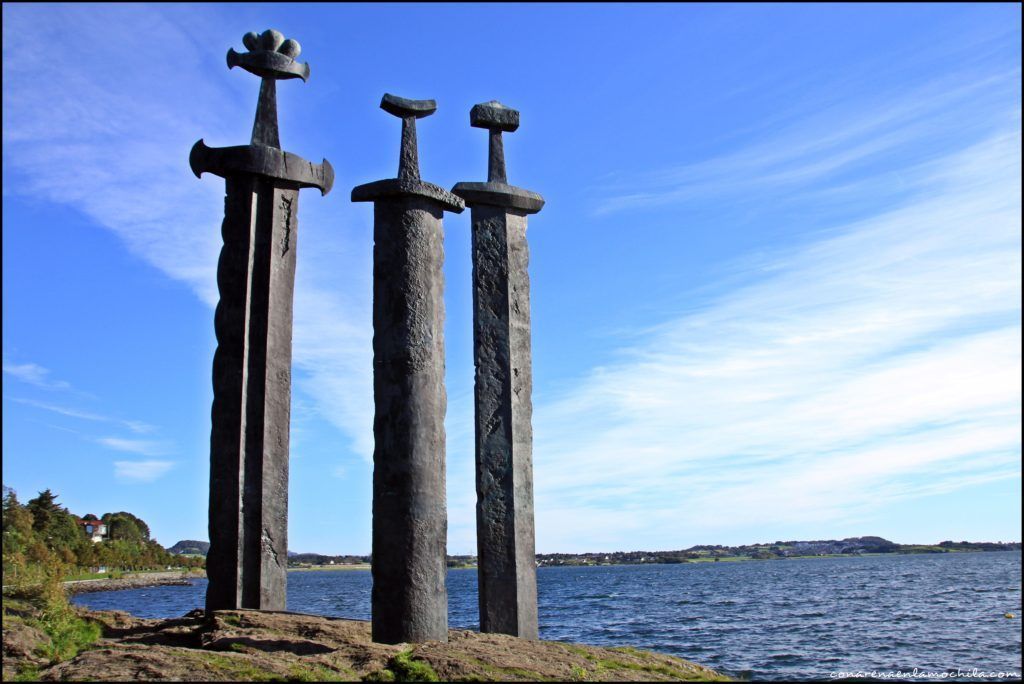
(94, 529)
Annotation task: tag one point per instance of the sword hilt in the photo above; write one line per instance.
(495, 117)
(408, 111)
(272, 58)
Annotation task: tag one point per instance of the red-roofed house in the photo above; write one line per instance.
(94, 529)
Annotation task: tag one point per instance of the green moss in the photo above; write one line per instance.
(384, 675)
(654, 667)
(233, 620)
(580, 651)
(237, 670)
(28, 673)
(404, 668)
(503, 673)
(316, 673)
(408, 670)
(579, 674)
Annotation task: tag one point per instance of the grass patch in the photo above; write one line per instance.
(237, 670)
(502, 673)
(315, 673)
(652, 667)
(579, 674)
(77, 576)
(69, 634)
(408, 670)
(384, 675)
(580, 651)
(28, 673)
(233, 620)
(403, 668)
(38, 595)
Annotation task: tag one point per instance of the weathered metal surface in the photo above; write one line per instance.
(410, 524)
(503, 387)
(248, 556)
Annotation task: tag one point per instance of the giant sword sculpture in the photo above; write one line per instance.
(248, 555)
(410, 524)
(507, 571)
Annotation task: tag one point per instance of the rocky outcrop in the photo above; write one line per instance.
(241, 645)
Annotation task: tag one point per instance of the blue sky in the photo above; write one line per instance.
(776, 285)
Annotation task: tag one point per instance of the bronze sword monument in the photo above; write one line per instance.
(410, 523)
(507, 572)
(248, 556)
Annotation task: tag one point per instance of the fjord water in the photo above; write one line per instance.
(784, 619)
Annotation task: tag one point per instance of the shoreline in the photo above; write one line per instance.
(247, 645)
(184, 578)
(139, 581)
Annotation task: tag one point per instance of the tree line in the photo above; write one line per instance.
(41, 532)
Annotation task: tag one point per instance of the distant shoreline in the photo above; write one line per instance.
(178, 578)
(337, 566)
(726, 559)
(135, 581)
(822, 548)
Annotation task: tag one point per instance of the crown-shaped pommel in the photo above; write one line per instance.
(269, 55)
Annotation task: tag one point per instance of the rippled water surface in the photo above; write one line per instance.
(763, 619)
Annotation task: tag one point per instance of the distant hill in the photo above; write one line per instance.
(190, 546)
(851, 546)
(194, 546)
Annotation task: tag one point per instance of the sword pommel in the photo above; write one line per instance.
(269, 56)
(403, 107)
(494, 116)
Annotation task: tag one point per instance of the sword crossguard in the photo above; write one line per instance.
(272, 58)
(496, 192)
(261, 160)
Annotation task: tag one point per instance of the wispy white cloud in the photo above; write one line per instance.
(117, 150)
(141, 471)
(826, 153)
(135, 446)
(136, 426)
(879, 363)
(33, 374)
